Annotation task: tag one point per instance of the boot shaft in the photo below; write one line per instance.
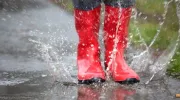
(115, 31)
(87, 23)
(116, 25)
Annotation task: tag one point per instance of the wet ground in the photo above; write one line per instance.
(37, 59)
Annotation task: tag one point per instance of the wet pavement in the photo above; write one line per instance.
(38, 59)
(43, 89)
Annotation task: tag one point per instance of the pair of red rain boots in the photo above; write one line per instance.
(115, 33)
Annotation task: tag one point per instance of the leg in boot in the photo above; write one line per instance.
(87, 17)
(117, 16)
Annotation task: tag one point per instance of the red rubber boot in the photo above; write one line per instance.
(87, 26)
(116, 33)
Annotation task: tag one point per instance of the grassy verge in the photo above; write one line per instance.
(168, 32)
(148, 28)
(65, 4)
(174, 66)
(150, 6)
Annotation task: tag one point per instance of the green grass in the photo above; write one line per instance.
(146, 30)
(149, 27)
(150, 6)
(174, 66)
(168, 33)
(65, 4)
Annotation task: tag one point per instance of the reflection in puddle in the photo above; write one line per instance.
(93, 93)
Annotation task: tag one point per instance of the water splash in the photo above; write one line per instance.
(55, 57)
(149, 63)
(157, 66)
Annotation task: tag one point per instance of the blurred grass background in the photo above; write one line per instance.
(153, 17)
(156, 10)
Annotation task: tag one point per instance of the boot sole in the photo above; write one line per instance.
(129, 81)
(91, 81)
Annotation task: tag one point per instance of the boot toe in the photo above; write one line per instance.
(129, 81)
(91, 81)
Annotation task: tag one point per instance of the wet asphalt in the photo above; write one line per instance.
(38, 57)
